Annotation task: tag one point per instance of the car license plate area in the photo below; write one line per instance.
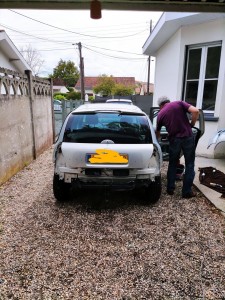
(101, 172)
(107, 160)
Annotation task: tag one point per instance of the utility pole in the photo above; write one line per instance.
(81, 71)
(149, 62)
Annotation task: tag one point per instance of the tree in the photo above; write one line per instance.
(123, 90)
(106, 86)
(33, 58)
(67, 71)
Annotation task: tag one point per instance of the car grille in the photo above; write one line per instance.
(99, 172)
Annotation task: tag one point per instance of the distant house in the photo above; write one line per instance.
(190, 65)
(142, 88)
(10, 57)
(60, 89)
(59, 86)
(90, 82)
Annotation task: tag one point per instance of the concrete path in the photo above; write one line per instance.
(210, 194)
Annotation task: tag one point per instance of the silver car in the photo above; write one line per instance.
(107, 146)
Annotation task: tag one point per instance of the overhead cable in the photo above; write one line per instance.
(82, 34)
(126, 58)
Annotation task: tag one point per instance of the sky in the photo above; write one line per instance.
(111, 45)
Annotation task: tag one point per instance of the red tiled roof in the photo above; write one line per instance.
(90, 82)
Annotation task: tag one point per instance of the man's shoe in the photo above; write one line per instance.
(189, 195)
(170, 192)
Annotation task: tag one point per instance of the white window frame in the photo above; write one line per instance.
(201, 79)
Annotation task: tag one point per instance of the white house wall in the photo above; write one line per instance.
(170, 68)
(209, 32)
(167, 68)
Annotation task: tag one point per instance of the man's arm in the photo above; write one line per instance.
(194, 114)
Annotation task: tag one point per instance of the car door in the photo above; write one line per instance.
(198, 130)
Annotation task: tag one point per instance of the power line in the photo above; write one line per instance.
(81, 34)
(53, 49)
(105, 27)
(36, 37)
(72, 33)
(114, 50)
(125, 58)
(67, 42)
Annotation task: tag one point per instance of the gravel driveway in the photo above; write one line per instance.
(106, 246)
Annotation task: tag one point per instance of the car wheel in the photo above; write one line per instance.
(61, 189)
(153, 191)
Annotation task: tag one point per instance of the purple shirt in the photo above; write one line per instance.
(173, 116)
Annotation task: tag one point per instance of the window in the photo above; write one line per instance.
(201, 75)
(120, 128)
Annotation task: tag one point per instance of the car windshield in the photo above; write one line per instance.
(118, 128)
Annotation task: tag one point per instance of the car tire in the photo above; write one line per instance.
(153, 192)
(61, 190)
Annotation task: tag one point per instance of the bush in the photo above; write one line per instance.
(70, 89)
(91, 98)
(59, 97)
(73, 95)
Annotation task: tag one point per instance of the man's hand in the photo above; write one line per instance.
(194, 114)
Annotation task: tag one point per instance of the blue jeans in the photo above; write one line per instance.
(187, 145)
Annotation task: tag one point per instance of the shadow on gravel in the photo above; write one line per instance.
(103, 199)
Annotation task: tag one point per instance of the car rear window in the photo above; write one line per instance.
(96, 127)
